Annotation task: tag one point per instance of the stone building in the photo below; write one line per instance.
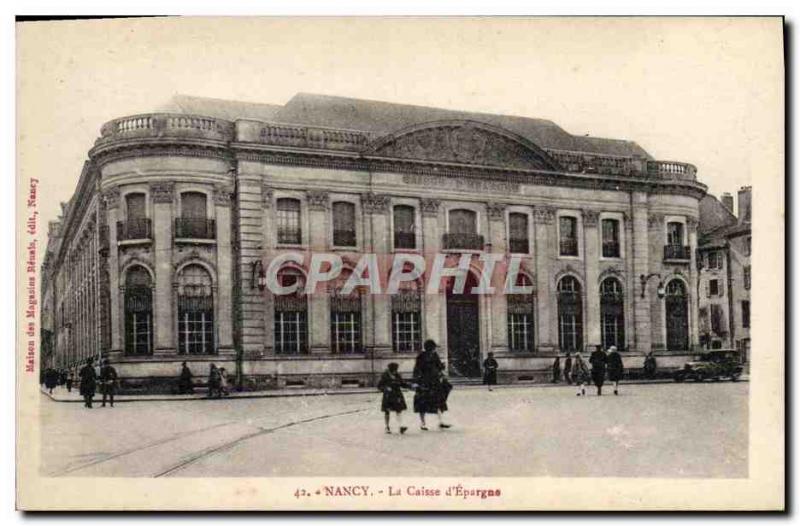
(725, 276)
(162, 250)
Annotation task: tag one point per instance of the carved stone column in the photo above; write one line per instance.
(545, 250)
(222, 212)
(163, 316)
(591, 242)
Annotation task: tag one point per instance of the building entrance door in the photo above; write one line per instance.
(677, 316)
(463, 334)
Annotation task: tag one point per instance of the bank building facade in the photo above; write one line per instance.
(160, 255)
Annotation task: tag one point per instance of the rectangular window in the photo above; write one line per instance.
(520, 322)
(746, 277)
(675, 234)
(610, 238)
(717, 320)
(290, 332)
(746, 314)
(288, 219)
(568, 232)
(135, 205)
(195, 332)
(715, 260)
(518, 233)
(404, 235)
(568, 332)
(406, 322)
(344, 224)
(713, 287)
(345, 323)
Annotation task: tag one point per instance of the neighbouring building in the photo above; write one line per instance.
(725, 275)
(158, 258)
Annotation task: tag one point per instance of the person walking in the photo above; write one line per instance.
(213, 380)
(88, 378)
(185, 380)
(615, 368)
(432, 388)
(108, 382)
(391, 384)
(223, 383)
(70, 381)
(490, 367)
(598, 360)
(50, 380)
(580, 373)
(650, 365)
(568, 368)
(556, 370)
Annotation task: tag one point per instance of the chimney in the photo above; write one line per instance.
(727, 201)
(744, 204)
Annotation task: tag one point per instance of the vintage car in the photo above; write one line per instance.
(713, 364)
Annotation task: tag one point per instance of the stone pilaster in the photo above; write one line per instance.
(249, 231)
(545, 249)
(591, 256)
(163, 316)
(641, 248)
(319, 241)
(496, 213)
(222, 212)
(111, 199)
(376, 210)
(433, 304)
(694, 314)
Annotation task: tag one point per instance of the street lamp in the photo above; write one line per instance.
(645, 278)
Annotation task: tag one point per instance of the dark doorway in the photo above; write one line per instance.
(463, 333)
(677, 316)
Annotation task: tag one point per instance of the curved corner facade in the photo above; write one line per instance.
(158, 256)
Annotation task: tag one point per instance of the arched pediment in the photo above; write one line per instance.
(466, 142)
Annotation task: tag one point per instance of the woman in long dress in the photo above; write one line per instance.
(580, 373)
(391, 384)
(615, 368)
(432, 387)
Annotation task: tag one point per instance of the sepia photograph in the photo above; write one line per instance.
(400, 263)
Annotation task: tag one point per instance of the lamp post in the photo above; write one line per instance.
(645, 278)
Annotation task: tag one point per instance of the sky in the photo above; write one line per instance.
(704, 91)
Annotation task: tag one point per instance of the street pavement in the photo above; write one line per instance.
(650, 430)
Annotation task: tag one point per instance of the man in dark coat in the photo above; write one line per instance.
(214, 381)
(598, 361)
(88, 382)
(568, 368)
(615, 368)
(432, 388)
(490, 367)
(108, 381)
(556, 370)
(650, 365)
(185, 380)
(70, 381)
(50, 380)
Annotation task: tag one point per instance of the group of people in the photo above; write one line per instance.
(52, 378)
(89, 378)
(217, 381)
(601, 363)
(429, 383)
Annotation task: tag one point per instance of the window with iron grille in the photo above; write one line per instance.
(610, 228)
(612, 314)
(570, 314)
(568, 235)
(406, 322)
(344, 224)
(675, 234)
(195, 311)
(291, 316)
(345, 321)
(404, 219)
(194, 222)
(518, 242)
(288, 221)
(138, 312)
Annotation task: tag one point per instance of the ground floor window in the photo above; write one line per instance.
(406, 322)
(139, 332)
(520, 322)
(345, 332)
(570, 314)
(138, 311)
(195, 311)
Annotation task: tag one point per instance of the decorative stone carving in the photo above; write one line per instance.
(266, 196)
(162, 192)
(691, 223)
(496, 210)
(111, 198)
(468, 143)
(375, 203)
(317, 200)
(544, 215)
(654, 220)
(590, 218)
(223, 195)
(430, 207)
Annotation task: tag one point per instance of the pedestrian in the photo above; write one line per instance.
(88, 378)
(70, 380)
(391, 384)
(568, 368)
(615, 367)
(185, 380)
(432, 388)
(490, 367)
(223, 383)
(213, 380)
(556, 370)
(580, 373)
(598, 360)
(108, 382)
(62, 377)
(650, 365)
(50, 380)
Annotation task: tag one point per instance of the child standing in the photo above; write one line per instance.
(390, 385)
(580, 373)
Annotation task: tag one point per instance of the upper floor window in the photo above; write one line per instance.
(610, 229)
(136, 224)
(288, 216)
(404, 218)
(463, 222)
(746, 277)
(462, 232)
(344, 224)
(675, 233)
(194, 222)
(518, 242)
(715, 260)
(713, 287)
(135, 206)
(568, 236)
(193, 205)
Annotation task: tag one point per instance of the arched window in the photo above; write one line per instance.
(612, 314)
(345, 318)
(291, 315)
(138, 311)
(520, 318)
(570, 314)
(288, 218)
(195, 311)
(406, 318)
(404, 219)
(344, 224)
(677, 312)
